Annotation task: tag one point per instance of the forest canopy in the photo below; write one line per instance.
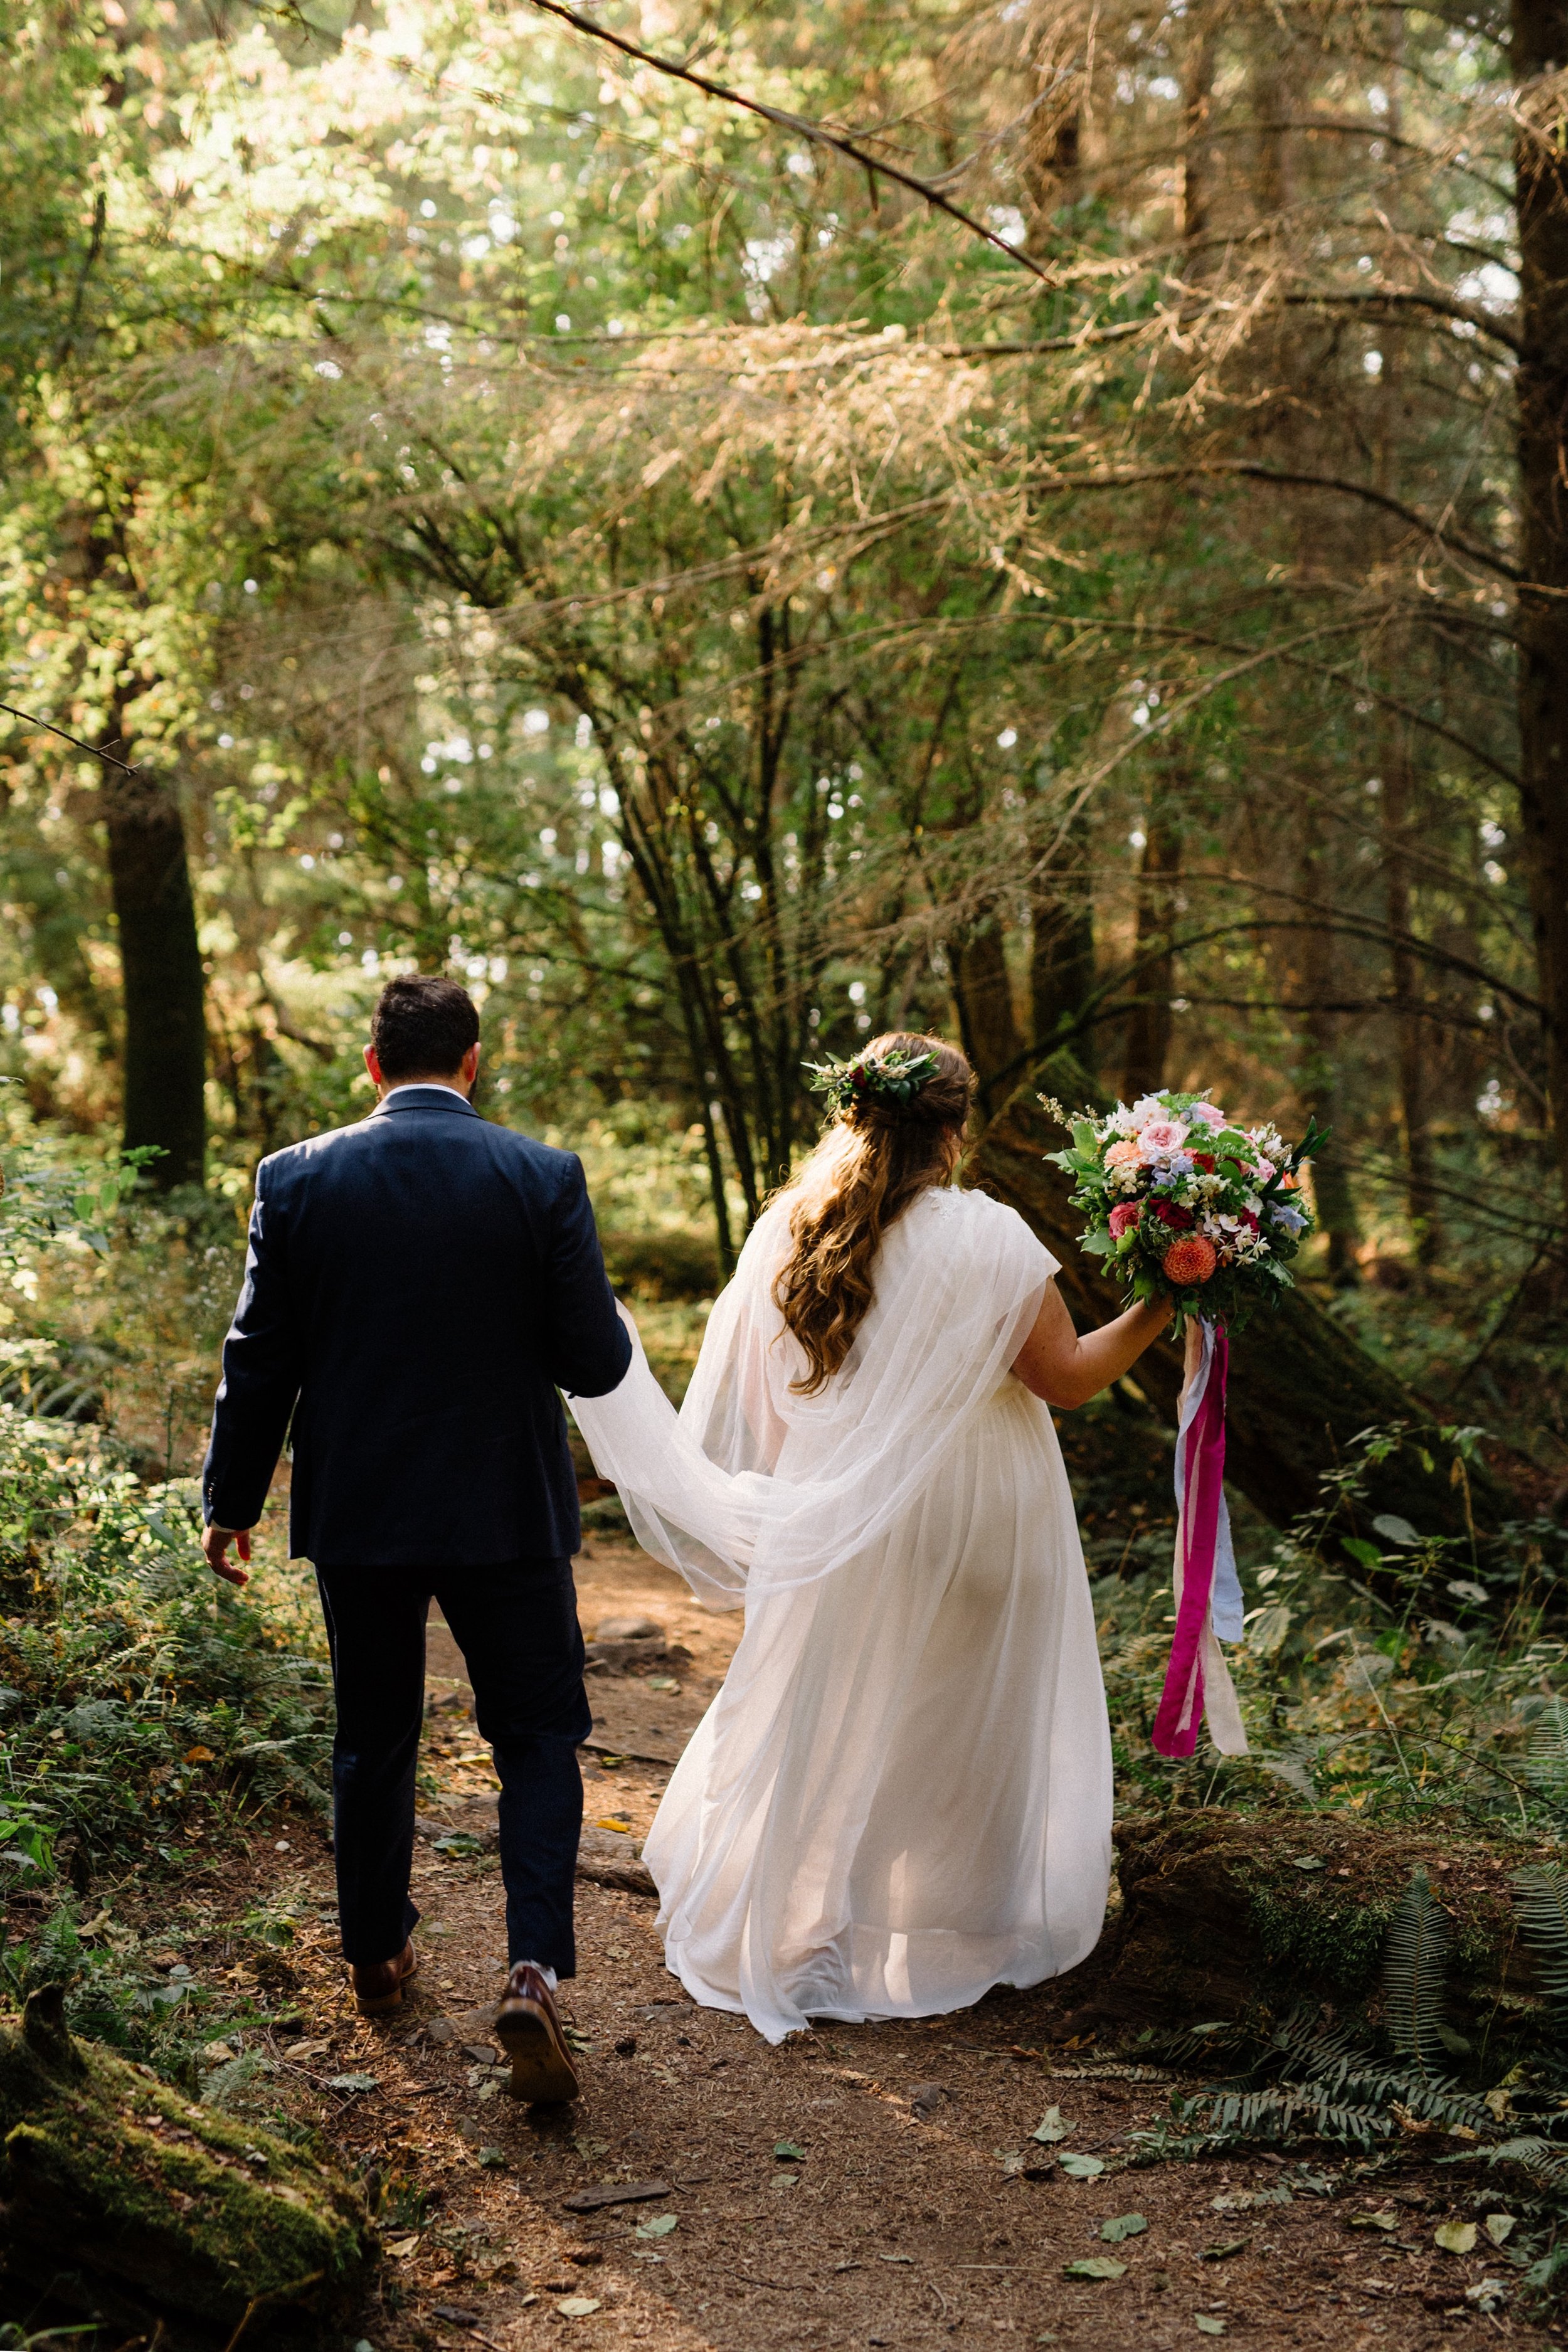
(1051, 531)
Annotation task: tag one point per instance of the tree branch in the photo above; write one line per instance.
(799, 125)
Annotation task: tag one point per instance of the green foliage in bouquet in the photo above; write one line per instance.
(1185, 1205)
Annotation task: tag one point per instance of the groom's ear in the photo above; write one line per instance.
(373, 1066)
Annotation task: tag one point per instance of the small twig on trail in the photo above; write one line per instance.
(47, 726)
(279, 2294)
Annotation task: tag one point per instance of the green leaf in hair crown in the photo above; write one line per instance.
(894, 1076)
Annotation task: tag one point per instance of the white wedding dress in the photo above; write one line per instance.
(901, 1796)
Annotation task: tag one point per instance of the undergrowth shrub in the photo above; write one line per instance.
(139, 1691)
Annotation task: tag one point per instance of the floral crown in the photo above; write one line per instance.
(895, 1076)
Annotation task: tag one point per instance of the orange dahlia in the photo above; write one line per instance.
(1190, 1260)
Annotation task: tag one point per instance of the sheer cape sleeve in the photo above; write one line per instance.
(752, 1487)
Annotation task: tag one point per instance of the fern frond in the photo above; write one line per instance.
(1546, 1761)
(1541, 1899)
(1415, 1975)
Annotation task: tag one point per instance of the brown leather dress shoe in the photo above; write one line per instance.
(528, 2026)
(378, 1984)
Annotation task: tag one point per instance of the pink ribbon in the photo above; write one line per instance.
(1180, 1713)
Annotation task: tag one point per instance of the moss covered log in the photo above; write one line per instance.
(1230, 1915)
(123, 2198)
(1301, 1387)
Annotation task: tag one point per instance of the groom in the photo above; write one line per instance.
(417, 1290)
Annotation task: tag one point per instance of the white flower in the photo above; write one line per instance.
(1146, 1108)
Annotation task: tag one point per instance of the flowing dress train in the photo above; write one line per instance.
(901, 1795)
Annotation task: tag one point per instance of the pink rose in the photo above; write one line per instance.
(1125, 1215)
(1162, 1135)
(1207, 1112)
(1121, 1154)
(1263, 1168)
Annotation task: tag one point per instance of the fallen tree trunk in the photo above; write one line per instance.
(1229, 1916)
(126, 2201)
(1301, 1387)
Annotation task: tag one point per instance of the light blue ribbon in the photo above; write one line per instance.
(1225, 1606)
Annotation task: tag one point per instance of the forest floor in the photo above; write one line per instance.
(805, 2196)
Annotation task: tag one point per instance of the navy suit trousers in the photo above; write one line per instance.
(517, 1627)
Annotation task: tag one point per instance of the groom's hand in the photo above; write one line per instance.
(216, 1541)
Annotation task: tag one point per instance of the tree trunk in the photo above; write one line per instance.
(1317, 1076)
(161, 968)
(1420, 1195)
(1061, 959)
(1301, 1389)
(1150, 1023)
(1540, 52)
(983, 991)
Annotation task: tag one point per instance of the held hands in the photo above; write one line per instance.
(216, 1541)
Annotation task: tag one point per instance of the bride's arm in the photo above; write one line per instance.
(1065, 1371)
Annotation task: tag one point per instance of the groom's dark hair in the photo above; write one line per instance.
(422, 1028)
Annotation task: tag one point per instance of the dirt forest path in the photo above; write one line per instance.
(875, 2185)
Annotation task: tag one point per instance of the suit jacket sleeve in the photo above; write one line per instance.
(261, 1371)
(587, 1346)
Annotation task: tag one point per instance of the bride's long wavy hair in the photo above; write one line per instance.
(876, 1157)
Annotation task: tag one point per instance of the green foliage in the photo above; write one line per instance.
(1414, 1976)
(1304, 2080)
(1541, 1895)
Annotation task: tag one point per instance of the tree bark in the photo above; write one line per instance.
(1061, 961)
(1421, 1198)
(1150, 1021)
(1540, 52)
(1318, 1077)
(982, 993)
(162, 978)
(1301, 1389)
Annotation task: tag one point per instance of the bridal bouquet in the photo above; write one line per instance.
(1185, 1203)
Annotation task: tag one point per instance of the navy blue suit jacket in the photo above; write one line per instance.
(417, 1290)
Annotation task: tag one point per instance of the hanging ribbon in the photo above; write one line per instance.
(1207, 1588)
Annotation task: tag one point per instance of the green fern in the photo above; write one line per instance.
(1546, 1762)
(1414, 1976)
(1541, 1899)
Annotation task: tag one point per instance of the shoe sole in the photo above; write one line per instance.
(538, 2072)
(381, 2004)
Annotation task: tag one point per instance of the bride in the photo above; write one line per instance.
(901, 1796)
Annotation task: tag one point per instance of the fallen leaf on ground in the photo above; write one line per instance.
(1095, 2266)
(577, 2307)
(926, 2097)
(1222, 2254)
(1454, 2237)
(494, 2160)
(1375, 2221)
(1487, 2294)
(895, 2258)
(1051, 2127)
(614, 1821)
(1123, 2225)
(1082, 2168)
(1207, 2326)
(1501, 2227)
(788, 2153)
(402, 2247)
(660, 2226)
(455, 2316)
(353, 2082)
